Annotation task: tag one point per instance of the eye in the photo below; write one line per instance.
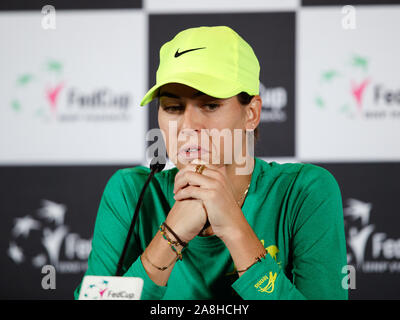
(173, 109)
(211, 106)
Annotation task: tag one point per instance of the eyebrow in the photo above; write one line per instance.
(171, 95)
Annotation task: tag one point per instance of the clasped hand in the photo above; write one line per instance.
(214, 190)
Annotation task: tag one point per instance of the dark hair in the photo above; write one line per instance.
(244, 98)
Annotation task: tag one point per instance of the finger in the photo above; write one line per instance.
(192, 168)
(210, 171)
(208, 165)
(214, 170)
(194, 179)
(192, 192)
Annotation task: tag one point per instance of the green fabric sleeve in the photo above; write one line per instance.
(112, 224)
(266, 281)
(318, 247)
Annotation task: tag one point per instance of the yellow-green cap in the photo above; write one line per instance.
(214, 60)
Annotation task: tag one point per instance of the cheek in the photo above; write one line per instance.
(224, 146)
(231, 149)
(169, 132)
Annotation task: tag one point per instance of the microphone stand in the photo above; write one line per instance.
(156, 165)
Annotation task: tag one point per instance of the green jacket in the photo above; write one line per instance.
(295, 209)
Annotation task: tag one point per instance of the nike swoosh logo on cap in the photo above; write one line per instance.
(177, 53)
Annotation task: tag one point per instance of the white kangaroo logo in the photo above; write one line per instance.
(52, 242)
(358, 209)
(358, 241)
(53, 211)
(358, 238)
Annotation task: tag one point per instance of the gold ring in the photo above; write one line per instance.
(200, 168)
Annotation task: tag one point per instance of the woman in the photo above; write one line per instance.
(215, 227)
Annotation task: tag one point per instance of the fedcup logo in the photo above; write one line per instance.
(43, 238)
(352, 91)
(211, 146)
(46, 94)
(274, 103)
(110, 288)
(369, 250)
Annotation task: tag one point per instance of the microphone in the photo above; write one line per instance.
(157, 164)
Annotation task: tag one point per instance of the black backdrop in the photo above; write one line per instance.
(40, 203)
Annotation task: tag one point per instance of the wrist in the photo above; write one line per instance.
(177, 240)
(236, 231)
(243, 242)
(234, 234)
(178, 232)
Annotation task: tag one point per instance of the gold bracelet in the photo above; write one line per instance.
(159, 268)
(258, 259)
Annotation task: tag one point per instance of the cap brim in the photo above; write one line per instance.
(211, 86)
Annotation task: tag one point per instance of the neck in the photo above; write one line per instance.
(240, 176)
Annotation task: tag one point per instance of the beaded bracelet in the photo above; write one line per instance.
(182, 243)
(171, 242)
(165, 236)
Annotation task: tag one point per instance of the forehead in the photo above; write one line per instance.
(178, 90)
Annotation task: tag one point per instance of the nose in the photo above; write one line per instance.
(191, 122)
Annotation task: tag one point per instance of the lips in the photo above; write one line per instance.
(191, 151)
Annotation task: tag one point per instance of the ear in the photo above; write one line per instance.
(253, 113)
